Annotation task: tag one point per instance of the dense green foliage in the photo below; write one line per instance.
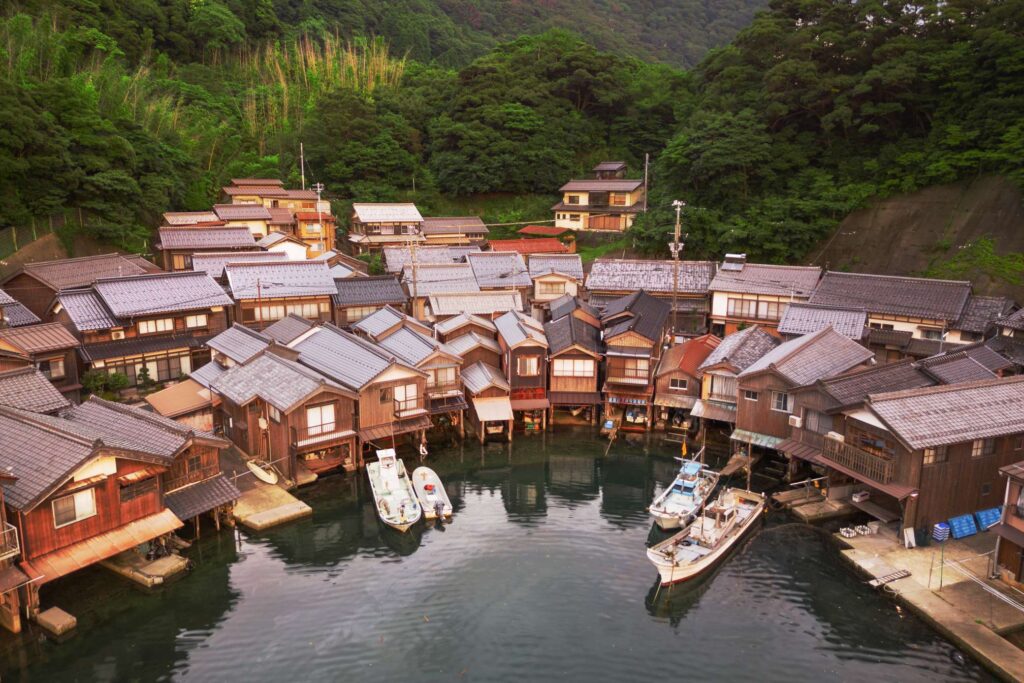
(821, 104)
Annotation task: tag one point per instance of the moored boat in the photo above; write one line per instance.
(430, 491)
(679, 503)
(701, 545)
(393, 493)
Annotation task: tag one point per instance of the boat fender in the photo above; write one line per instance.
(423, 449)
(687, 542)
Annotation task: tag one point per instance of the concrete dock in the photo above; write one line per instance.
(146, 573)
(262, 505)
(948, 587)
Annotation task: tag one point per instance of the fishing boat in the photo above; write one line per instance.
(709, 538)
(430, 491)
(678, 504)
(392, 491)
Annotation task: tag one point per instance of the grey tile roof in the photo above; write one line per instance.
(609, 185)
(344, 357)
(369, 291)
(212, 263)
(241, 212)
(459, 252)
(566, 304)
(499, 269)
(628, 275)
(78, 272)
(476, 303)
(1015, 321)
(178, 218)
(122, 426)
(981, 312)
(764, 278)
(28, 389)
(6, 299)
(566, 264)
(160, 293)
(802, 318)
(956, 413)
(922, 348)
(397, 258)
(380, 321)
(86, 310)
(280, 382)
(203, 496)
(465, 343)
(444, 225)
(892, 295)
(134, 346)
(987, 356)
(1009, 348)
(480, 376)
(386, 213)
(239, 343)
(206, 238)
(637, 312)
(570, 331)
(954, 368)
(854, 388)
(461, 320)
(806, 359)
(440, 279)
(516, 328)
(280, 279)
(207, 374)
(288, 329)
(741, 349)
(899, 338)
(16, 315)
(280, 216)
(412, 347)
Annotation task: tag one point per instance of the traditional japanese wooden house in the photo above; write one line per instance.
(212, 263)
(14, 314)
(677, 380)
(804, 318)
(454, 230)
(745, 294)
(27, 389)
(501, 271)
(576, 307)
(487, 389)
(375, 226)
(600, 204)
(267, 292)
(317, 230)
(254, 217)
(554, 276)
(12, 578)
(719, 387)
(425, 281)
(51, 349)
(1009, 553)
(465, 323)
(575, 352)
(177, 245)
(359, 297)
(524, 350)
(473, 347)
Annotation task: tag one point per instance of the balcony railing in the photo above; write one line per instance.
(317, 434)
(408, 407)
(628, 375)
(445, 389)
(874, 467)
(9, 546)
(201, 474)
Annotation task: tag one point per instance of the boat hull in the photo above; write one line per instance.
(429, 500)
(398, 512)
(666, 522)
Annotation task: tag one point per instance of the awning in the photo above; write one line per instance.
(713, 411)
(1011, 534)
(395, 428)
(895, 490)
(447, 404)
(574, 398)
(755, 438)
(494, 409)
(11, 577)
(98, 548)
(530, 404)
(139, 347)
(613, 387)
(795, 449)
(670, 401)
(203, 496)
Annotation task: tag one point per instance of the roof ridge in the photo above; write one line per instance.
(152, 276)
(900, 277)
(38, 422)
(140, 414)
(943, 388)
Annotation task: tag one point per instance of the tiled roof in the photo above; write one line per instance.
(279, 279)
(806, 359)
(212, 263)
(207, 374)
(444, 225)
(536, 245)
(241, 212)
(476, 303)
(259, 182)
(543, 230)
(647, 316)
(203, 496)
(396, 258)
(987, 356)
(369, 291)
(134, 346)
(122, 426)
(280, 382)
(565, 264)
(386, 213)
(315, 216)
(28, 389)
(628, 275)
(922, 348)
(954, 368)
(440, 279)
(160, 293)
(1009, 348)
(459, 252)
(288, 329)
(611, 185)
(610, 166)
(764, 278)
(344, 357)
(39, 338)
(465, 343)
(239, 343)
(981, 312)
(892, 295)
(273, 238)
(688, 356)
(899, 338)
(178, 218)
(803, 318)
(280, 216)
(956, 413)
(257, 190)
(78, 272)
(461, 320)
(499, 270)
(86, 310)
(569, 331)
(854, 388)
(566, 304)
(6, 299)
(479, 376)
(741, 349)
(411, 346)
(1014, 321)
(206, 238)
(14, 314)
(516, 327)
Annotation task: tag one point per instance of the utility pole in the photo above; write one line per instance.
(259, 304)
(414, 273)
(302, 165)
(676, 247)
(647, 158)
(319, 187)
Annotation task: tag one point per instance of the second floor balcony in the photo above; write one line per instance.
(9, 545)
(319, 435)
(628, 375)
(410, 407)
(874, 467)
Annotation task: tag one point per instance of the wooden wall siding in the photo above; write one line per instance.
(36, 296)
(758, 416)
(466, 329)
(662, 384)
(629, 339)
(180, 475)
(490, 392)
(573, 383)
(481, 354)
(373, 413)
(13, 364)
(512, 363)
(39, 536)
(242, 308)
(811, 398)
(216, 322)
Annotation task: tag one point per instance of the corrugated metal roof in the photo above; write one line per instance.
(479, 376)
(462, 320)
(570, 265)
(160, 293)
(203, 496)
(206, 238)
(180, 399)
(892, 295)
(28, 389)
(412, 347)
(212, 263)
(239, 343)
(502, 270)
(279, 279)
(803, 318)
(465, 343)
(806, 359)
(386, 213)
(629, 275)
(477, 303)
(288, 329)
(763, 278)
(344, 357)
(39, 338)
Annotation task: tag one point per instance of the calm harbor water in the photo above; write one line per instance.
(542, 576)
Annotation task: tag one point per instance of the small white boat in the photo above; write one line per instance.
(701, 545)
(678, 504)
(392, 491)
(429, 489)
(264, 472)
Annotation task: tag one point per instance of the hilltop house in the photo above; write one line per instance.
(602, 203)
(524, 350)
(267, 292)
(375, 226)
(719, 386)
(454, 230)
(677, 381)
(51, 348)
(178, 245)
(575, 351)
(745, 294)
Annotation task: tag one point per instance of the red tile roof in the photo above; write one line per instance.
(39, 338)
(542, 245)
(314, 216)
(543, 230)
(689, 355)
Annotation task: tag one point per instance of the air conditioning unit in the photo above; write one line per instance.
(117, 334)
(796, 421)
(836, 436)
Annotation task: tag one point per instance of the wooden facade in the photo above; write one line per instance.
(629, 379)
(764, 404)
(1010, 545)
(257, 314)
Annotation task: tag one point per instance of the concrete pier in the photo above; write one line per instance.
(146, 573)
(262, 505)
(56, 621)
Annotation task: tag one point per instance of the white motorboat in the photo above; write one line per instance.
(701, 545)
(430, 491)
(392, 491)
(678, 504)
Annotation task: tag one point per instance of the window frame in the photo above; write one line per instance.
(74, 497)
(747, 393)
(674, 386)
(935, 455)
(527, 361)
(143, 326)
(788, 409)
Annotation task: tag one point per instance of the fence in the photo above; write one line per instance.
(14, 238)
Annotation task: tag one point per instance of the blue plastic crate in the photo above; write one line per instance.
(962, 526)
(988, 518)
(940, 532)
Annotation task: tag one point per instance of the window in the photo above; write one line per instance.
(816, 422)
(274, 413)
(405, 397)
(320, 419)
(970, 336)
(881, 326)
(386, 395)
(137, 489)
(780, 401)
(181, 262)
(930, 333)
(572, 367)
(309, 311)
(935, 455)
(74, 508)
(357, 313)
(154, 326)
(986, 489)
(199, 320)
(441, 377)
(528, 366)
(677, 384)
(52, 368)
(194, 463)
(757, 310)
(617, 199)
(573, 199)
(1018, 445)
(750, 395)
(551, 288)
(982, 447)
(574, 217)
(314, 228)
